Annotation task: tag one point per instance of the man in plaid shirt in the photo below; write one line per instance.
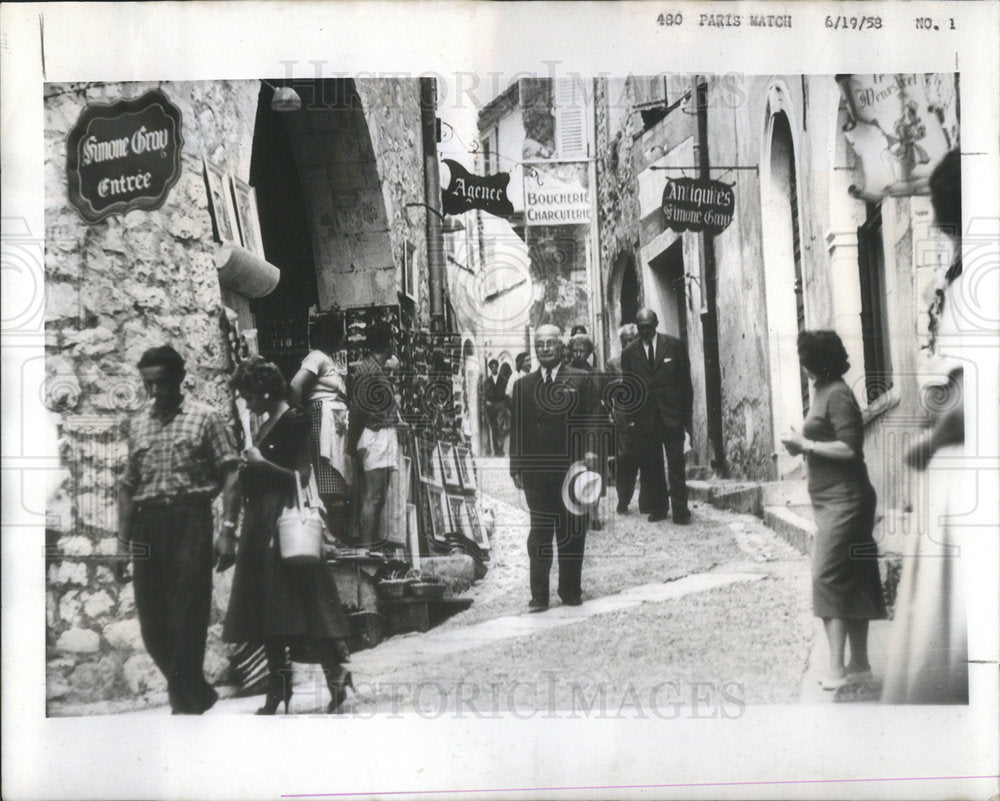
(180, 455)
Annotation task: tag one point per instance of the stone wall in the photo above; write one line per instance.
(116, 288)
(360, 161)
(735, 132)
(392, 108)
(132, 281)
(617, 196)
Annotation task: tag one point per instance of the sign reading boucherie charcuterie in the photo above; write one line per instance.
(124, 156)
(697, 204)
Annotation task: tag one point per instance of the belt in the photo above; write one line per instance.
(193, 499)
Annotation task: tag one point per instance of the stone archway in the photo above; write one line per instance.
(342, 187)
(322, 212)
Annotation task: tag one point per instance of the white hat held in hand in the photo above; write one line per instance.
(581, 489)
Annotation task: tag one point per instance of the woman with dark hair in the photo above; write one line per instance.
(847, 590)
(283, 606)
(320, 386)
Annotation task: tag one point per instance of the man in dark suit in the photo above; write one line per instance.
(617, 397)
(660, 364)
(555, 413)
(495, 395)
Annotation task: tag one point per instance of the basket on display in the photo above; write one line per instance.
(393, 589)
(427, 590)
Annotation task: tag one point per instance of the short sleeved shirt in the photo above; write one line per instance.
(330, 381)
(184, 454)
(835, 416)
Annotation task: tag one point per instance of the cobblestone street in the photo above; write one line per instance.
(677, 621)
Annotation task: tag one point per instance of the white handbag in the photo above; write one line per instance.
(300, 527)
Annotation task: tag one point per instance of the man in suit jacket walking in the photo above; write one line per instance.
(555, 411)
(660, 363)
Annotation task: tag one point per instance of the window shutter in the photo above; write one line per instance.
(650, 92)
(571, 132)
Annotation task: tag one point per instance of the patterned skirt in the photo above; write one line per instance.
(328, 479)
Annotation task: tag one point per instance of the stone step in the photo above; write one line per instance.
(732, 496)
(792, 526)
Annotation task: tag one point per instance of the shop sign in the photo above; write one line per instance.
(698, 204)
(124, 156)
(900, 125)
(557, 194)
(466, 191)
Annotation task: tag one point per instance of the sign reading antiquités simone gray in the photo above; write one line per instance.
(123, 156)
(698, 204)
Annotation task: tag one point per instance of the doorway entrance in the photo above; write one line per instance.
(670, 291)
(622, 299)
(282, 317)
(784, 289)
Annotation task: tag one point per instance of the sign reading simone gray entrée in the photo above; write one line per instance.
(123, 156)
(698, 204)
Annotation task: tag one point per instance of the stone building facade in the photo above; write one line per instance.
(332, 181)
(801, 252)
(616, 123)
(541, 132)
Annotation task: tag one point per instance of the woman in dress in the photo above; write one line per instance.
(927, 661)
(283, 606)
(320, 386)
(847, 590)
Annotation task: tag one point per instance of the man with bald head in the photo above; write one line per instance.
(660, 364)
(555, 411)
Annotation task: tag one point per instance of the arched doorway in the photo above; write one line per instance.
(623, 296)
(784, 289)
(323, 217)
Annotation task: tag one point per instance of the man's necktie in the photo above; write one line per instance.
(650, 354)
(548, 376)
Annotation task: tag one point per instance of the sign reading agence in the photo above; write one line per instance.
(466, 191)
(123, 156)
(697, 204)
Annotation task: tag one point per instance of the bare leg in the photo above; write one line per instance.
(836, 637)
(857, 633)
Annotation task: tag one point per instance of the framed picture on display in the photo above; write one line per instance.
(246, 215)
(466, 468)
(428, 468)
(457, 514)
(476, 533)
(449, 467)
(220, 203)
(436, 511)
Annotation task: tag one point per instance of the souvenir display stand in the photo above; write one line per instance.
(431, 503)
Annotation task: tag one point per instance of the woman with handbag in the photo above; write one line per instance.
(286, 604)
